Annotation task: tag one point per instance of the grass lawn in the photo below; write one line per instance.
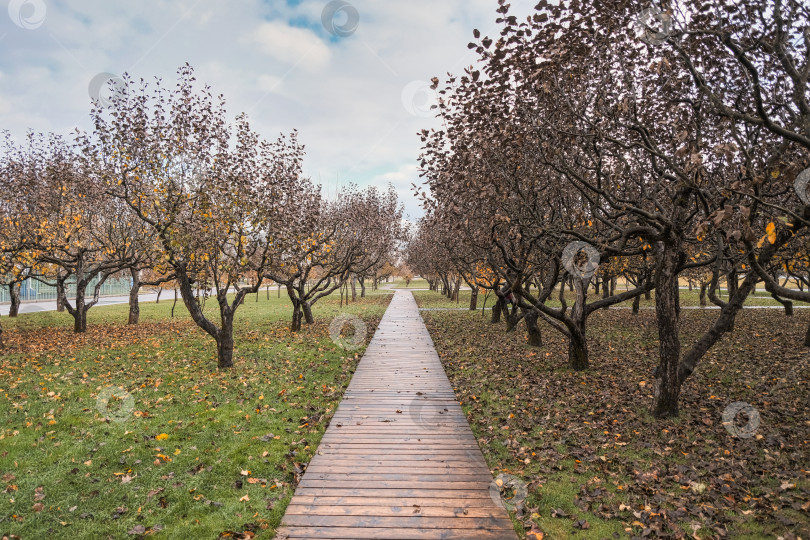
(414, 284)
(194, 452)
(597, 465)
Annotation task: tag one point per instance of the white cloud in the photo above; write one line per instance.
(290, 45)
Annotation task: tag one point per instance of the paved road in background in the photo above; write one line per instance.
(50, 305)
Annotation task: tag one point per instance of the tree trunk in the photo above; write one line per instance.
(225, 342)
(703, 286)
(496, 311)
(14, 295)
(134, 306)
(295, 326)
(613, 282)
(535, 338)
(298, 313)
(510, 314)
(577, 342)
(175, 302)
(606, 287)
(354, 288)
(474, 299)
(160, 290)
(306, 307)
(647, 295)
(362, 287)
(456, 288)
(732, 283)
(787, 303)
(60, 303)
(80, 320)
(636, 304)
(79, 310)
(667, 386)
(578, 353)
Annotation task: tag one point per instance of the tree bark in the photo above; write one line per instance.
(14, 295)
(160, 290)
(362, 287)
(354, 288)
(787, 303)
(474, 299)
(225, 341)
(496, 311)
(298, 313)
(175, 302)
(577, 342)
(535, 338)
(306, 307)
(134, 306)
(636, 304)
(667, 386)
(578, 352)
(703, 286)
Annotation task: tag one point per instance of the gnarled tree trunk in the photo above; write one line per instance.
(667, 386)
(474, 299)
(14, 295)
(534, 336)
(134, 306)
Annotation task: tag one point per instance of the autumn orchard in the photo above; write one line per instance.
(167, 185)
(667, 141)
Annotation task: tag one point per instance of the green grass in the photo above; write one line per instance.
(201, 452)
(413, 284)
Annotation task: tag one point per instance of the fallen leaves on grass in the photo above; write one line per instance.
(535, 418)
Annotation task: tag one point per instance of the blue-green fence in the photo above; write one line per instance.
(32, 290)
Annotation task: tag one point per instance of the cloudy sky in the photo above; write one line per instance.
(350, 76)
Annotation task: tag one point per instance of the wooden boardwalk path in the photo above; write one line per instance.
(398, 460)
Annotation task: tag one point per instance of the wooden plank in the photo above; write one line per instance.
(381, 510)
(415, 520)
(384, 533)
(398, 460)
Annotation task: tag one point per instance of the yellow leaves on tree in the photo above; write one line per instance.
(770, 235)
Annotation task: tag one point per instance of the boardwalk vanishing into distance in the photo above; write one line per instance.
(398, 460)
